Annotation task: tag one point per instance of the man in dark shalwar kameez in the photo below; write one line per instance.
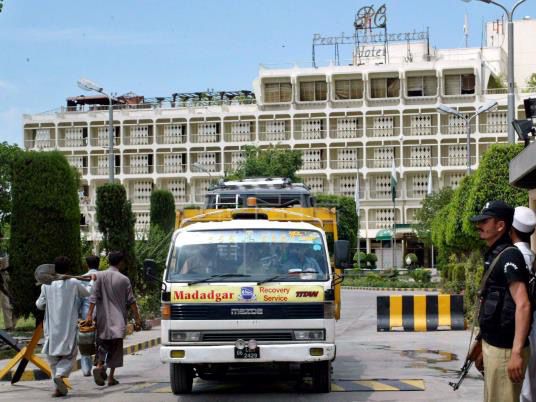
(111, 296)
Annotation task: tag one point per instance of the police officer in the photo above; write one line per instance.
(505, 313)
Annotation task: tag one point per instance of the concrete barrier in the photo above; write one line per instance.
(420, 313)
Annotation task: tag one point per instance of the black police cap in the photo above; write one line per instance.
(495, 209)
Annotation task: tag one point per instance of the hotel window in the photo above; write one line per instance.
(460, 84)
(384, 88)
(422, 86)
(311, 91)
(277, 92)
(348, 89)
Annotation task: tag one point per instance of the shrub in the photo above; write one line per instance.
(163, 210)
(421, 276)
(116, 223)
(45, 221)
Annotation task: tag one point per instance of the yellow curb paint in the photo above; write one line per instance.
(376, 385)
(337, 388)
(414, 383)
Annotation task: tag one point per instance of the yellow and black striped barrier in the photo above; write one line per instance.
(420, 313)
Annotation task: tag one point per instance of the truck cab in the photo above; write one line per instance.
(250, 286)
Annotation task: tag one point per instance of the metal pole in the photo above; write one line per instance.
(468, 145)
(511, 95)
(111, 160)
(432, 255)
(393, 241)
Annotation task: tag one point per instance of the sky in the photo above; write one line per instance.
(158, 47)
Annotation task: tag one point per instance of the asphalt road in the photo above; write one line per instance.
(362, 354)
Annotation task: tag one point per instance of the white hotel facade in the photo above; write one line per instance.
(344, 119)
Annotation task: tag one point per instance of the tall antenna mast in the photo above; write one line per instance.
(466, 30)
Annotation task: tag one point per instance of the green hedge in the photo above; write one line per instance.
(45, 221)
(163, 210)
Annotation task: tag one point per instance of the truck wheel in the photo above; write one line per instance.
(182, 378)
(321, 376)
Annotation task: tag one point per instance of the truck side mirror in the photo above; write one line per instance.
(149, 269)
(342, 249)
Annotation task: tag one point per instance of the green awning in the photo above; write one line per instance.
(384, 234)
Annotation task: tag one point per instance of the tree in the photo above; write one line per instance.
(491, 182)
(163, 210)
(45, 221)
(424, 216)
(116, 223)
(347, 222)
(7, 156)
(270, 162)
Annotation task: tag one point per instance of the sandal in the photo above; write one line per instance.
(61, 387)
(113, 382)
(98, 376)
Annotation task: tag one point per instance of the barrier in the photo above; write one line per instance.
(420, 313)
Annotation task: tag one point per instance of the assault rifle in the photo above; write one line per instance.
(474, 356)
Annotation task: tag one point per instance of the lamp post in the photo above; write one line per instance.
(88, 85)
(444, 109)
(511, 95)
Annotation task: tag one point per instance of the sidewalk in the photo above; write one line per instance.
(132, 344)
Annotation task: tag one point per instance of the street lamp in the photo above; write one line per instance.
(511, 95)
(486, 107)
(88, 85)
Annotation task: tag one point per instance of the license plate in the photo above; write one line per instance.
(247, 353)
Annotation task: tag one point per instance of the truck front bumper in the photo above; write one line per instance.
(268, 353)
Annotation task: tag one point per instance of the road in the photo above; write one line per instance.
(362, 354)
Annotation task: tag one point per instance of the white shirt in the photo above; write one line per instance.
(528, 254)
(61, 300)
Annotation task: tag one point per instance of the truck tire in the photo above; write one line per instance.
(321, 376)
(181, 377)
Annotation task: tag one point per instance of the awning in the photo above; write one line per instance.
(384, 234)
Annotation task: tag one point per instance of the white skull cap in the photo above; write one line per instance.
(524, 219)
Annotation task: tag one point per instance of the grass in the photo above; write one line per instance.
(23, 324)
(24, 327)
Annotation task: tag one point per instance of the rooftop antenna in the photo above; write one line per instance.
(466, 30)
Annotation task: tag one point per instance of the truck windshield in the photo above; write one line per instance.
(248, 255)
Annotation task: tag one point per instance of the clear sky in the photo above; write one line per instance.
(158, 47)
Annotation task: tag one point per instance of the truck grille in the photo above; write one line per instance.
(287, 311)
(232, 336)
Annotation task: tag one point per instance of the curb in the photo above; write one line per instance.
(393, 289)
(38, 375)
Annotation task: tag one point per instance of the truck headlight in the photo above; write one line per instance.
(184, 336)
(309, 335)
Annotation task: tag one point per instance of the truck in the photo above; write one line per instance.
(249, 283)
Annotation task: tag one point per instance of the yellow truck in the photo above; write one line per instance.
(249, 283)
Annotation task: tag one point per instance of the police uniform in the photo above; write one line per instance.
(497, 312)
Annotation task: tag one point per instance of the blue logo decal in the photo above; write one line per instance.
(247, 293)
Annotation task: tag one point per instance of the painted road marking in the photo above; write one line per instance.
(372, 385)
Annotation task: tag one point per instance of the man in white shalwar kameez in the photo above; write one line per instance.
(522, 228)
(61, 301)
